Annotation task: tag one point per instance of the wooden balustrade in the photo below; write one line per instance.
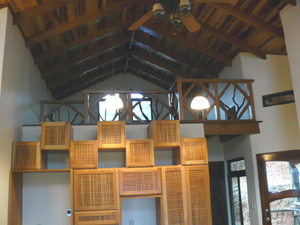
(55, 107)
(231, 102)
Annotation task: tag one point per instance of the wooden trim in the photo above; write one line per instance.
(231, 128)
(291, 2)
(216, 80)
(250, 19)
(77, 22)
(4, 5)
(15, 198)
(39, 10)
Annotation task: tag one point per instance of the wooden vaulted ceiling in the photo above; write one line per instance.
(78, 43)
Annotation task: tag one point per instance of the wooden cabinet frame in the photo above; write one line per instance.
(104, 146)
(80, 163)
(194, 155)
(143, 159)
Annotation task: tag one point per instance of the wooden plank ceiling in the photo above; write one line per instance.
(78, 43)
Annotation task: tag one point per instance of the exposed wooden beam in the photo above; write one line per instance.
(84, 56)
(291, 2)
(63, 91)
(130, 48)
(64, 78)
(3, 5)
(176, 56)
(39, 10)
(77, 22)
(79, 41)
(250, 19)
(189, 43)
(165, 66)
(150, 72)
(234, 41)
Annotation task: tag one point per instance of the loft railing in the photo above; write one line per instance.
(231, 101)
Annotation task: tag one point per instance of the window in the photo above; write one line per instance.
(107, 114)
(238, 192)
(142, 110)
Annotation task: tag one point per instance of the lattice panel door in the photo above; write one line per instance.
(193, 151)
(174, 195)
(95, 190)
(142, 181)
(97, 217)
(198, 195)
(139, 153)
(83, 154)
(55, 136)
(26, 155)
(111, 135)
(165, 133)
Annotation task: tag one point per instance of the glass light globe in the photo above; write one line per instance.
(200, 103)
(113, 102)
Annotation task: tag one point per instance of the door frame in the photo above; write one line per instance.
(266, 196)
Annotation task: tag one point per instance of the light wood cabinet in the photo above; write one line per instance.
(96, 190)
(26, 155)
(111, 135)
(56, 135)
(193, 151)
(198, 195)
(83, 154)
(139, 153)
(97, 217)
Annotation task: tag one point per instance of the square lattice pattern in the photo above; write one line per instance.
(139, 153)
(26, 155)
(193, 151)
(83, 154)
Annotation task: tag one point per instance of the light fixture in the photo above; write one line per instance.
(185, 6)
(200, 103)
(175, 19)
(113, 102)
(158, 11)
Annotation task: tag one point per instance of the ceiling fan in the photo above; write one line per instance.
(178, 11)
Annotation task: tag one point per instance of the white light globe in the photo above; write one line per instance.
(200, 103)
(113, 102)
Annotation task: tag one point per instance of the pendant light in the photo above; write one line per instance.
(199, 102)
(112, 101)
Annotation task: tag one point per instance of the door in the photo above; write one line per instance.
(279, 187)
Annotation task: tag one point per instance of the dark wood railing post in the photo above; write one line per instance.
(180, 99)
(217, 100)
(86, 108)
(42, 111)
(251, 100)
(129, 108)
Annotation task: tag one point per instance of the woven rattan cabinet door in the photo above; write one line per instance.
(165, 133)
(193, 151)
(83, 154)
(139, 153)
(55, 136)
(97, 217)
(26, 155)
(111, 135)
(142, 181)
(96, 190)
(174, 196)
(198, 195)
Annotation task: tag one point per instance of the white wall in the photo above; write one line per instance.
(290, 18)
(279, 129)
(3, 19)
(21, 90)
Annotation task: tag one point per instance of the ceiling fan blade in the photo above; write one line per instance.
(214, 1)
(141, 21)
(191, 23)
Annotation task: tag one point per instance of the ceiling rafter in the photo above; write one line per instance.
(3, 5)
(39, 9)
(80, 41)
(84, 56)
(65, 77)
(233, 40)
(77, 22)
(189, 43)
(176, 56)
(59, 92)
(163, 65)
(250, 19)
(291, 2)
(150, 72)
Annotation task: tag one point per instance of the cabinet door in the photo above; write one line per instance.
(97, 217)
(142, 181)
(96, 190)
(174, 196)
(83, 154)
(198, 195)
(193, 151)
